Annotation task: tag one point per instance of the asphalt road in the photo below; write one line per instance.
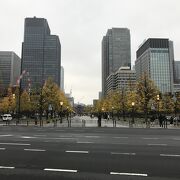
(89, 153)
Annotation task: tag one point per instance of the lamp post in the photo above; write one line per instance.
(175, 104)
(14, 101)
(132, 122)
(175, 107)
(67, 114)
(61, 104)
(102, 111)
(114, 123)
(157, 98)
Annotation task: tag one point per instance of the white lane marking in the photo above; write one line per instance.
(16, 144)
(128, 174)
(5, 135)
(150, 138)
(170, 155)
(39, 150)
(119, 143)
(80, 142)
(157, 144)
(120, 137)
(40, 135)
(118, 153)
(2, 148)
(27, 137)
(61, 138)
(177, 139)
(83, 152)
(61, 170)
(91, 136)
(98, 131)
(6, 167)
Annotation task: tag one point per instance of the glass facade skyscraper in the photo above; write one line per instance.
(41, 54)
(10, 65)
(177, 71)
(116, 52)
(155, 58)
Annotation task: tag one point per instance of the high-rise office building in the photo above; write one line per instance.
(155, 57)
(41, 54)
(123, 78)
(177, 71)
(62, 78)
(116, 52)
(10, 65)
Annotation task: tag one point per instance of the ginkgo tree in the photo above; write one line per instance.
(8, 104)
(146, 91)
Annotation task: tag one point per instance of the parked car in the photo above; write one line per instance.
(6, 117)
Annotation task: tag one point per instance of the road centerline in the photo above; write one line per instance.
(84, 142)
(92, 136)
(5, 135)
(120, 137)
(157, 144)
(83, 152)
(61, 170)
(15, 144)
(128, 174)
(6, 167)
(119, 153)
(150, 138)
(35, 150)
(170, 155)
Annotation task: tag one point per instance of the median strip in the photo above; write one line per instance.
(61, 170)
(128, 174)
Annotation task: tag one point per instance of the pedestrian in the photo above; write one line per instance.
(152, 120)
(99, 120)
(171, 120)
(161, 120)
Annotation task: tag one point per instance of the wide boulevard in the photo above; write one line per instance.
(47, 153)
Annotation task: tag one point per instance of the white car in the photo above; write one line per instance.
(6, 117)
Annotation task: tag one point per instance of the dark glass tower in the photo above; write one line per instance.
(155, 57)
(41, 54)
(116, 52)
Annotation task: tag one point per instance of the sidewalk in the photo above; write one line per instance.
(86, 121)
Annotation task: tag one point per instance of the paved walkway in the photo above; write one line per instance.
(86, 121)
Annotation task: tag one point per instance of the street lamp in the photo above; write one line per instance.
(114, 122)
(67, 114)
(175, 104)
(14, 97)
(133, 104)
(61, 104)
(158, 98)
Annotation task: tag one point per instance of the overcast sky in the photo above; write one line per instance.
(81, 24)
